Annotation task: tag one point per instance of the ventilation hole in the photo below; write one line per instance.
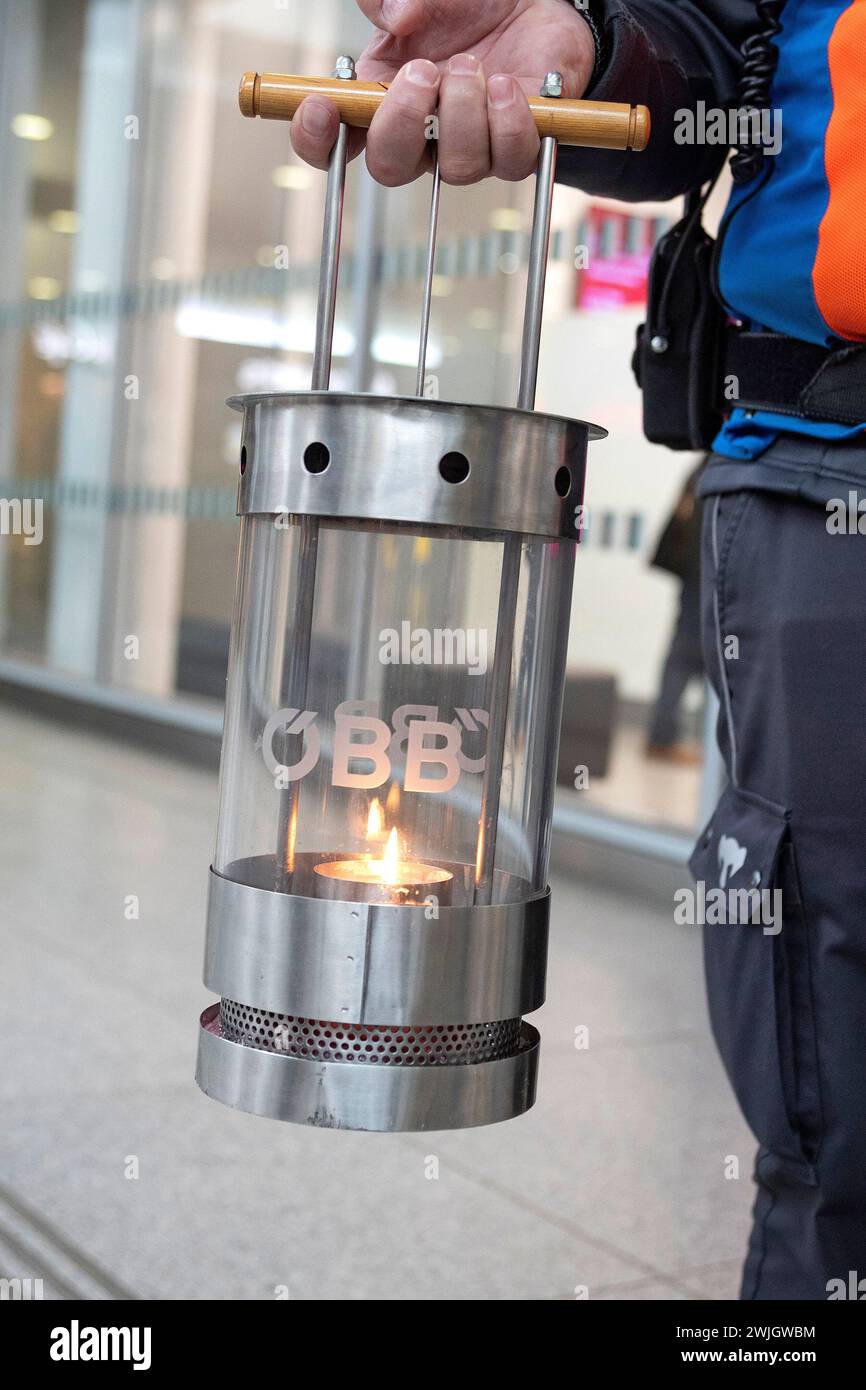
(454, 468)
(407, 1045)
(243, 460)
(562, 481)
(316, 457)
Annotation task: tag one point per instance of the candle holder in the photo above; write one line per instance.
(378, 907)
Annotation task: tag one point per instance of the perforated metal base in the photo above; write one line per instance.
(440, 1044)
(423, 1090)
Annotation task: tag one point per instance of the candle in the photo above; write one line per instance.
(390, 879)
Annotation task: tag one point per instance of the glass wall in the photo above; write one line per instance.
(160, 254)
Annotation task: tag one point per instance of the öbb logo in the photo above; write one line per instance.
(365, 748)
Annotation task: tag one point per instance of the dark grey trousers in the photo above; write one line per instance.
(784, 631)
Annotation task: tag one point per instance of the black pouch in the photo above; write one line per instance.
(678, 355)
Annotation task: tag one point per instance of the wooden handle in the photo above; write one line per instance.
(604, 125)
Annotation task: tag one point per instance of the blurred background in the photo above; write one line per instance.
(159, 254)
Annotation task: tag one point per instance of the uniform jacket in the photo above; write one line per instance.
(792, 255)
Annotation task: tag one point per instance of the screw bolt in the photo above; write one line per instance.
(345, 68)
(552, 85)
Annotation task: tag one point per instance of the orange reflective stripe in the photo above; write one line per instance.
(839, 272)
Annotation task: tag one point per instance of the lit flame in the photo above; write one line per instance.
(390, 860)
(375, 820)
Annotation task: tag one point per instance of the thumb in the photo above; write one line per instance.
(397, 17)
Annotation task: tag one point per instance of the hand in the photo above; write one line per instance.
(473, 62)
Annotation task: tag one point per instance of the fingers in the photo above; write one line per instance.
(464, 139)
(398, 140)
(314, 130)
(483, 128)
(514, 141)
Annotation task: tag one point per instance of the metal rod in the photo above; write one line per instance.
(366, 277)
(542, 703)
(432, 227)
(365, 287)
(298, 676)
(512, 547)
(500, 680)
(330, 264)
(538, 248)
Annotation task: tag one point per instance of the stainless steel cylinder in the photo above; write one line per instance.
(377, 920)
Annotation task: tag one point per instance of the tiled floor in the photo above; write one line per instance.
(118, 1178)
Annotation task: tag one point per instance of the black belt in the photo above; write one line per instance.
(791, 377)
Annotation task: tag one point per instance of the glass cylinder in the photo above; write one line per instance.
(393, 709)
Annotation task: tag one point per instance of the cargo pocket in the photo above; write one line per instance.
(757, 954)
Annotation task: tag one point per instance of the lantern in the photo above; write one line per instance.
(378, 906)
